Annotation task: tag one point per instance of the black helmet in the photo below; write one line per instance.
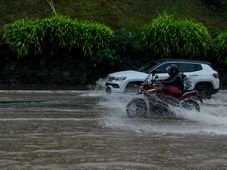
(172, 69)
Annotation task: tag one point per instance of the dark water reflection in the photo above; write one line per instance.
(80, 130)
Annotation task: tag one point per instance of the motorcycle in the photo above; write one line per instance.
(159, 102)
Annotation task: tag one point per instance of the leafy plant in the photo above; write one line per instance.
(219, 48)
(167, 36)
(128, 49)
(92, 37)
(22, 37)
(125, 42)
(32, 37)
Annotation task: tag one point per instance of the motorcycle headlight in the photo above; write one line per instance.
(120, 78)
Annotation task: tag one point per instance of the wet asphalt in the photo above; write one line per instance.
(68, 130)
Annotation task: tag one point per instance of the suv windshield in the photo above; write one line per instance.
(147, 68)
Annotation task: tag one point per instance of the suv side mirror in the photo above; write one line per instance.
(153, 72)
(156, 77)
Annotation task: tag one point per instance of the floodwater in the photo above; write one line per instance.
(86, 130)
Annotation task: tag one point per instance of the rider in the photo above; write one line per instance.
(174, 83)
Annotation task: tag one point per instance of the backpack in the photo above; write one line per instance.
(187, 82)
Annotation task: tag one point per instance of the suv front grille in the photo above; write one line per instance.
(116, 86)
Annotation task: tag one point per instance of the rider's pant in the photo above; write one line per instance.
(174, 91)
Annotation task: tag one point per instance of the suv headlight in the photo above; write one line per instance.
(120, 78)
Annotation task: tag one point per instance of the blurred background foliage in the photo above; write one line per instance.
(219, 48)
(93, 38)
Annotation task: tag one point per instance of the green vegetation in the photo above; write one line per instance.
(219, 47)
(32, 37)
(67, 39)
(167, 36)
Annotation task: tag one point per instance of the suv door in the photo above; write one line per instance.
(192, 70)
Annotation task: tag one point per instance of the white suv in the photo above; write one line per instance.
(204, 78)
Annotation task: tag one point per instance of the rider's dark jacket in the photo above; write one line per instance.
(175, 80)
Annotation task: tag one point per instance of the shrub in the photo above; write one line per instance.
(123, 53)
(21, 36)
(28, 37)
(128, 49)
(219, 48)
(125, 42)
(167, 36)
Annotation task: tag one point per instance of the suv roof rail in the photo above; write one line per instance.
(184, 60)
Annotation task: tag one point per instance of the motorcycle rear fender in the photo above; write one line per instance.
(189, 94)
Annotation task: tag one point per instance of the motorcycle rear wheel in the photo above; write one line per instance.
(136, 108)
(190, 105)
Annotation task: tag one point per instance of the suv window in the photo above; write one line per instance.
(147, 68)
(188, 67)
(162, 68)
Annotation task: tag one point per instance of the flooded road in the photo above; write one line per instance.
(86, 130)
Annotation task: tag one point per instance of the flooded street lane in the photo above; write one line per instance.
(90, 130)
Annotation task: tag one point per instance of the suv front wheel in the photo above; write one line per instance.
(133, 86)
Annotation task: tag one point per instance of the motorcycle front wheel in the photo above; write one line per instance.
(136, 108)
(190, 105)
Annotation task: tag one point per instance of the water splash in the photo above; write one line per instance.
(212, 119)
